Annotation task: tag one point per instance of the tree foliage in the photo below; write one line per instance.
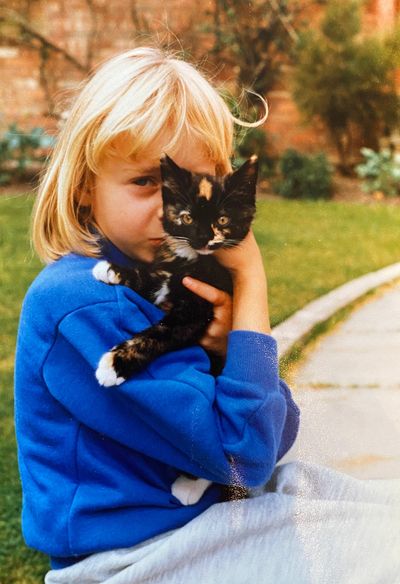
(253, 39)
(346, 80)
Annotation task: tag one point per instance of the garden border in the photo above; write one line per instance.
(296, 327)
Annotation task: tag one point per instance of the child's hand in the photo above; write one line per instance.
(242, 259)
(216, 337)
(250, 290)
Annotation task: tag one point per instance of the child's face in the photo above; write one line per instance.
(127, 203)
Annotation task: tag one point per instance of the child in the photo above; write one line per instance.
(97, 464)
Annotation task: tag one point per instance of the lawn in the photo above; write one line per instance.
(309, 248)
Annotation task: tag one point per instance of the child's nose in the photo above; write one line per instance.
(160, 213)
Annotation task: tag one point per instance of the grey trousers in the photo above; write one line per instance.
(310, 525)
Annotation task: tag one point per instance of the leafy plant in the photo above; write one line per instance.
(254, 141)
(252, 38)
(381, 171)
(347, 80)
(4, 155)
(304, 176)
(19, 150)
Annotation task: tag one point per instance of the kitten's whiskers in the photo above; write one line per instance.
(181, 247)
(231, 243)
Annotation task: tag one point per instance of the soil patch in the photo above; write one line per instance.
(15, 190)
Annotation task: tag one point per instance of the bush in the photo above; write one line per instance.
(347, 79)
(381, 171)
(304, 177)
(21, 150)
(254, 141)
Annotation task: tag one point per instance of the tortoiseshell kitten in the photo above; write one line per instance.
(201, 213)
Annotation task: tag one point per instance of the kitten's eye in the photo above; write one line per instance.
(187, 219)
(223, 220)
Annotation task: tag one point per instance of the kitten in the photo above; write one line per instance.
(201, 213)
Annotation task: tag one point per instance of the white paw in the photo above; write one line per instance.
(189, 491)
(103, 272)
(105, 372)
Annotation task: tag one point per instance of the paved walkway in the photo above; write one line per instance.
(348, 389)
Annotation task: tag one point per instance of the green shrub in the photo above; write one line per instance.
(5, 176)
(381, 171)
(304, 177)
(20, 150)
(347, 79)
(249, 141)
(254, 141)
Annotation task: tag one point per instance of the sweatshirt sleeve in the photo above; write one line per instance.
(292, 422)
(224, 429)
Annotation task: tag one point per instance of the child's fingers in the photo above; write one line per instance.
(215, 338)
(213, 295)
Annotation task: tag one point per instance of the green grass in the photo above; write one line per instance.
(18, 267)
(309, 248)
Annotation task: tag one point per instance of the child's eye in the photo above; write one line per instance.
(144, 181)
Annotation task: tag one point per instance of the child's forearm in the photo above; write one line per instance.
(250, 296)
(250, 302)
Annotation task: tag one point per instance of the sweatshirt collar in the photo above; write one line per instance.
(110, 251)
(114, 254)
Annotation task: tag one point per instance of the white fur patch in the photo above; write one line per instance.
(162, 294)
(218, 236)
(189, 491)
(105, 372)
(185, 251)
(103, 273)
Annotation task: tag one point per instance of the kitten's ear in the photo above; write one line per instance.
(173, 176)
(243, 181)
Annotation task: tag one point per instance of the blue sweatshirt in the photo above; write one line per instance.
(97, 463)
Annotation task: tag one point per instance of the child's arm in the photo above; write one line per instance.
(175, 411)
(250, 298)
(292, 421)
(250, 312)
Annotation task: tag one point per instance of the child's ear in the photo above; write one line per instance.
(85, 193)
(243, 181)
(174, 177)
(85, 199)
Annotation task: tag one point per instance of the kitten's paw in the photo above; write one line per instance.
(189, 491)
(105, 372)
(103, 272)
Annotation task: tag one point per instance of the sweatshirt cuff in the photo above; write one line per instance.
(252, 356)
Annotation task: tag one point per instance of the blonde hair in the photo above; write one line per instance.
(136, 94)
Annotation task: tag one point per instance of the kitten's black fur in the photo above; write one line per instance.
(201, 213)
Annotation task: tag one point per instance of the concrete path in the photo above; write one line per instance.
(348, 389)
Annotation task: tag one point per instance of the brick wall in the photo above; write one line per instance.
(66, 24)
